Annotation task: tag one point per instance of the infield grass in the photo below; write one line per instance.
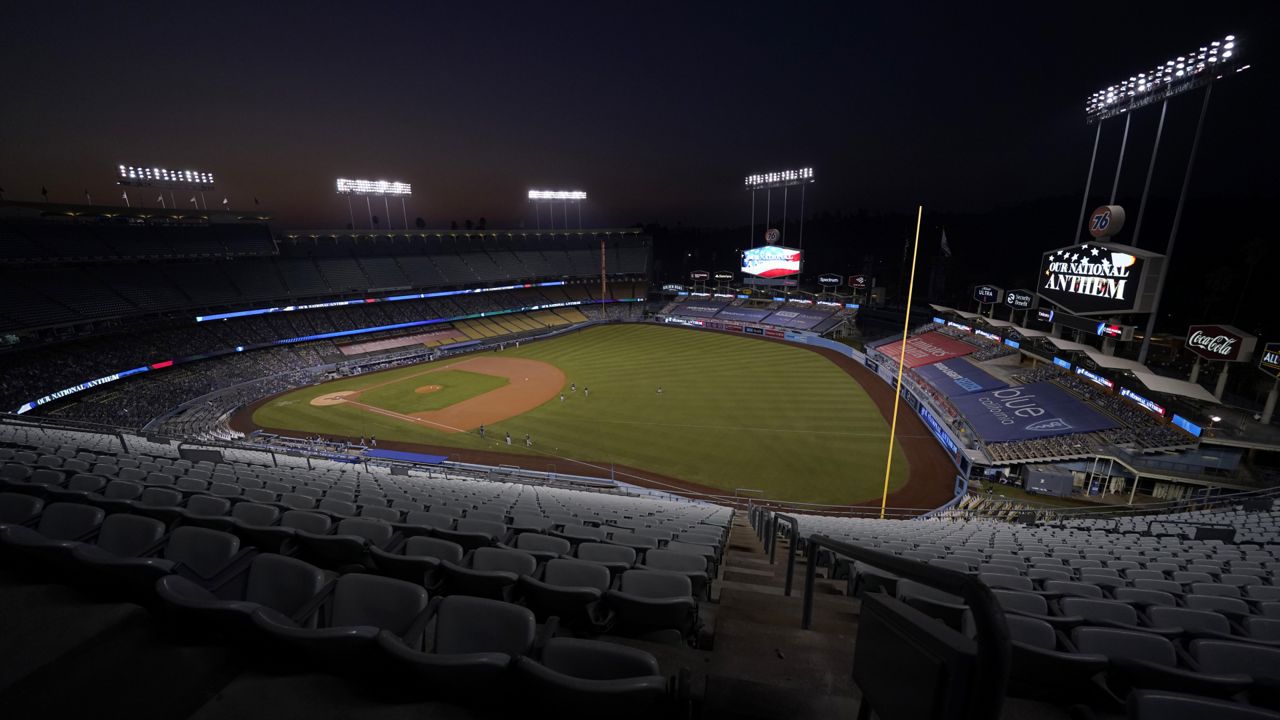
(735, 412)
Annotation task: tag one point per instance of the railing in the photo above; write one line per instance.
(794, 540)
(992, 671)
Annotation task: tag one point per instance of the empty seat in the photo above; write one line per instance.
(543, 547)
(362, 607)
(1040, 670)
(347, 548)
(692, 566)
(19, 509)
(649, 601)
(1146, 660)
(475, 641)
(569, 589)
(195, 552)
(1166, 705)
(615, 557)
(593, 678)
(491, 573)
(283, 584)
(416, 559)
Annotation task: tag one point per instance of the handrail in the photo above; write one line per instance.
(791, 549)
(992, 671)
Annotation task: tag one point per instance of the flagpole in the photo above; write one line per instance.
(902, 359)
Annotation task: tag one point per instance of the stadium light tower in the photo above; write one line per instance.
(550, 197)
(785, 179)
(376, 188)
(165, 179)
(1200, 68)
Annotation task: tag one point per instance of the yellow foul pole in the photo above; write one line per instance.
(902, 359)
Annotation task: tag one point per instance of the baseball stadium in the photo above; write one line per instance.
(255, 469)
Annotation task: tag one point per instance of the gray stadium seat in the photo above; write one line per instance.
(649, 601)
(594, 678)
(416, 559)
(491, 573)
(283, 584)
(568, 589)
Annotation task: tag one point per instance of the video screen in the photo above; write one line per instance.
(771, 261)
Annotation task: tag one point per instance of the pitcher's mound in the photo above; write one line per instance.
(333, 398)
(428, 389)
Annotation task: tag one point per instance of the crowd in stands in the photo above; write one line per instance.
(40, 371)
(1139, 428)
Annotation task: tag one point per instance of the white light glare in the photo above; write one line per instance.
(557, 195)
(782, 176)
(130, 172)
(373, 187)
(1183, 68)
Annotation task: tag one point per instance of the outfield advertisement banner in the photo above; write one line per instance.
(699, 309)
(958, 377)
(797, 319)
(926, 349)
(1024, 412)
(742, 314)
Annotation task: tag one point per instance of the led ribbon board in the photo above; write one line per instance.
(1100, 278)
(27, 407)
(393, 298)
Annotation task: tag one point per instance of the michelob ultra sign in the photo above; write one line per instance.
(1097, 278)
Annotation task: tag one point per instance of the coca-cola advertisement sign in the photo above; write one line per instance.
(1220, 342)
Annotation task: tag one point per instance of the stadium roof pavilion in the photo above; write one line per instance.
(1173, 386)
(1115, 363)
(1062, 344)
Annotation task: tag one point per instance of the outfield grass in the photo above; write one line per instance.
(735, 412)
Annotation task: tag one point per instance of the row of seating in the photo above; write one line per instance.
(351, 619)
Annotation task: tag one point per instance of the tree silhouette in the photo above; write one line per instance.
(453, 224)
(483, 223)
(375, 221)
(468, 223)
(420, 223)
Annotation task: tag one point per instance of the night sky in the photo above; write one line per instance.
(656, 109)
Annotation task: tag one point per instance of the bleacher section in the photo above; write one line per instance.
(1100, 612)
(461, 589)
(795, 315)
(77, 271)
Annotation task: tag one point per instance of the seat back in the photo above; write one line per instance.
(600, 552)
(129, 535)
(1188, 619)
(86, 483)
(656, 584)
(674, 561)
(1223, 657)
(380, 602)
(282, 583)
(255, 515)
(429, 519)
(380, 513)
(1031, 631)
(68, 521)
(535, 542)
(503, 560)
(306, 521)
(208, 506)
(566, 572)
(1100, 610)
(422, 546)
(595, 660)
(203, 550)
(18, 508)
(1130, 644)
(160, 497)
(122, 490)
(473, 625)
(487, 527)
(375, 531)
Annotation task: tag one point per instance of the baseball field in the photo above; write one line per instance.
(708, 409)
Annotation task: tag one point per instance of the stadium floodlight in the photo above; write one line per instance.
(1178, 75)
(151, 176)
(379, 188)
(781, 178)
(557, 195)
